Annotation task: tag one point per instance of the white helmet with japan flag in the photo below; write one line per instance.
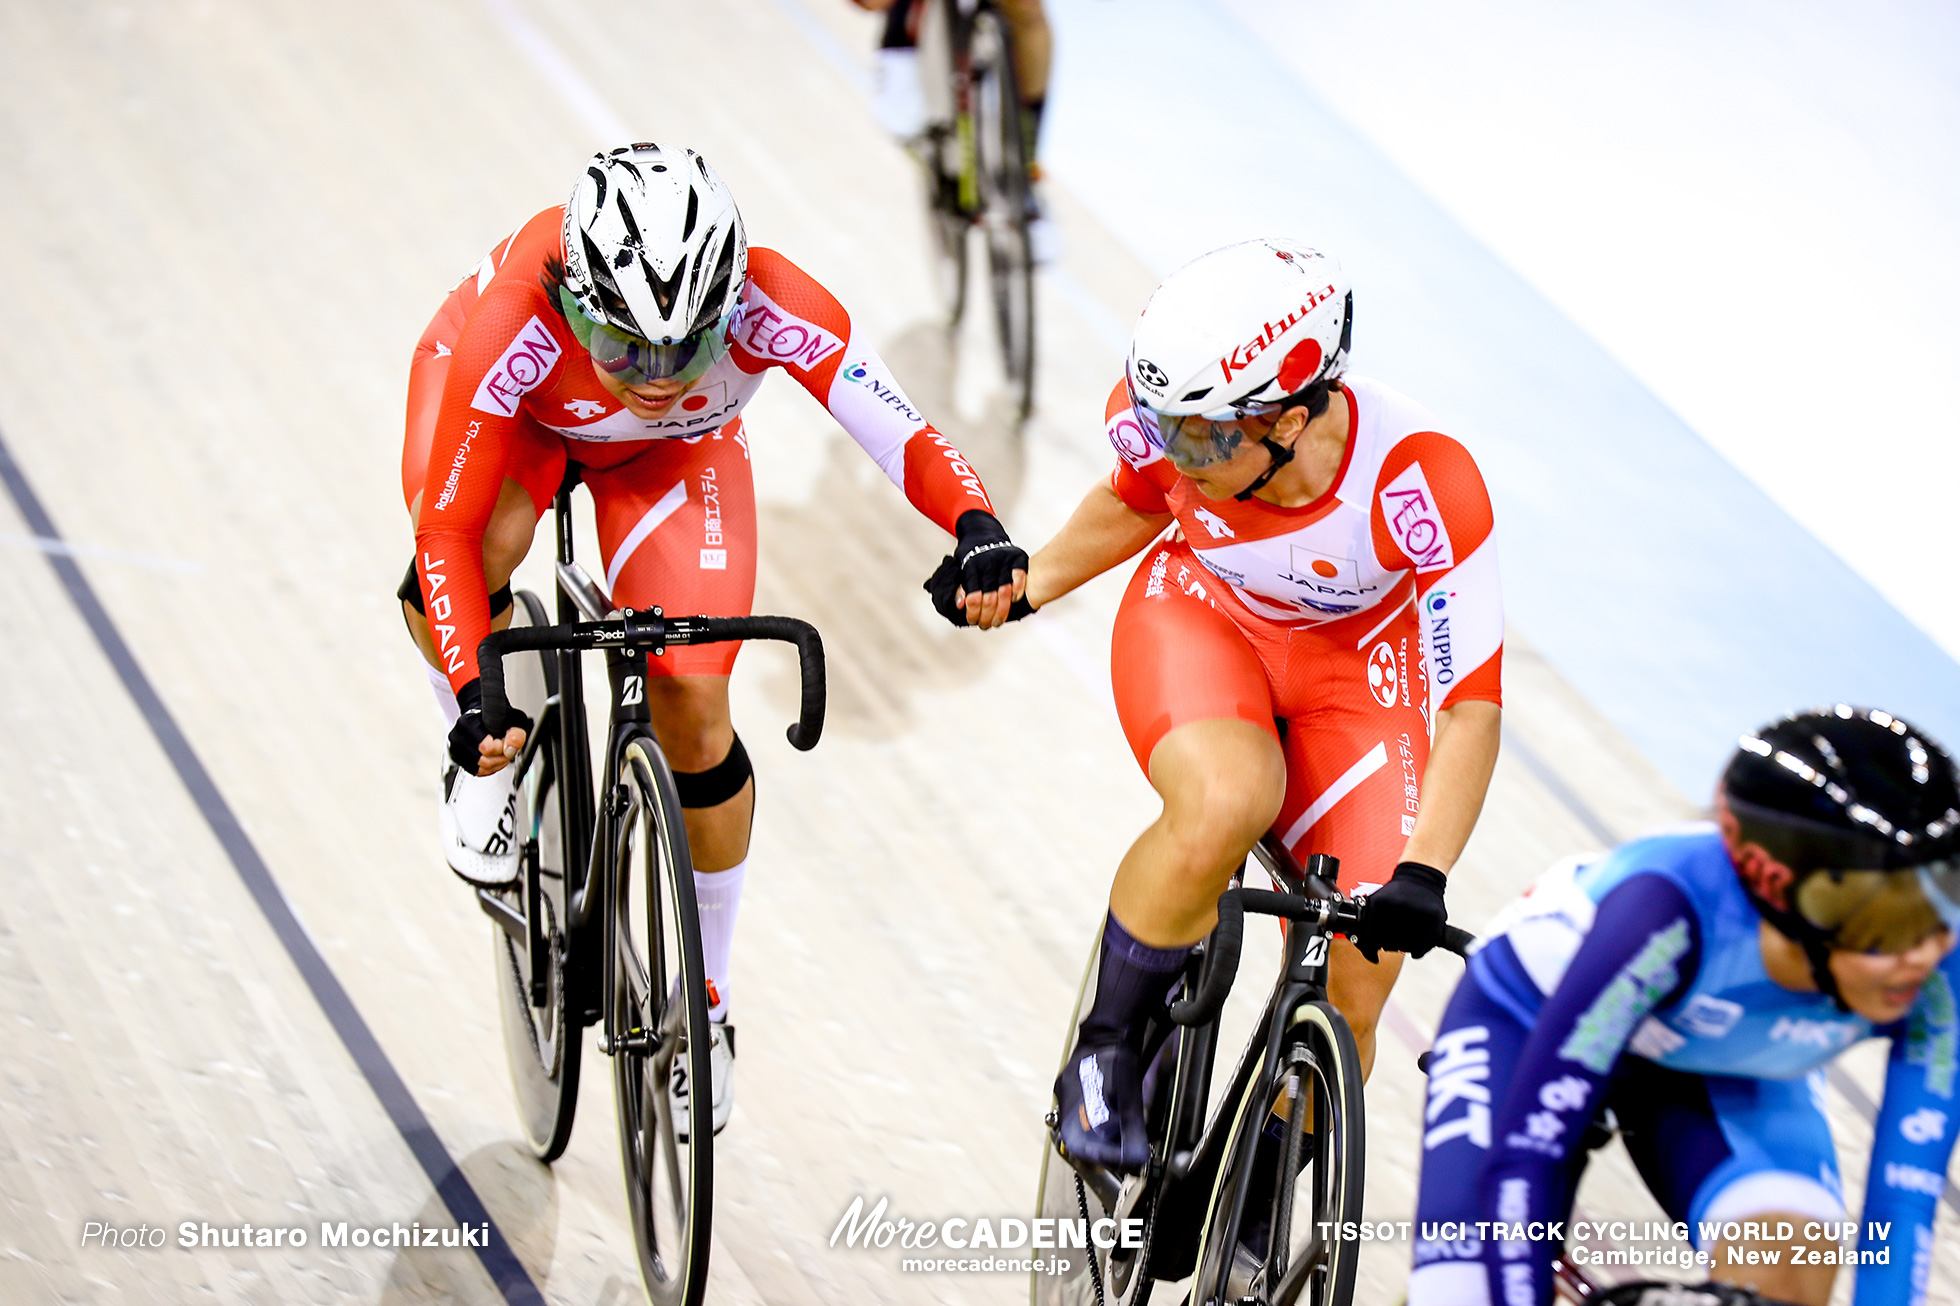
(1240, 330)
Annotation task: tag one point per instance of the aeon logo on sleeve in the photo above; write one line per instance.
(1125, 432)
(1415, 520)
(523, 367)
(770, 331)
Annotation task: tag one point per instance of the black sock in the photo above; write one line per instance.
(898, 28)
(1132, 981)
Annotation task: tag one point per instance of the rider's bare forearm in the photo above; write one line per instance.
(1103, 532)
(1454, 784)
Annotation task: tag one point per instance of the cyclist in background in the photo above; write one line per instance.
(622, 334)
(1818, 910)
(1327, 603)
(900, 102)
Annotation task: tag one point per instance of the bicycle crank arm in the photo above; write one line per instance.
(510, 920)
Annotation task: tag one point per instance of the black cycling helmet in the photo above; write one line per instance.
(1844, 826)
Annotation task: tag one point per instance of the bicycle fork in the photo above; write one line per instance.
(626, 675)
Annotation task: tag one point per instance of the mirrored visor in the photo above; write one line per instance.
(1882, 911)
(1196, 440)
(634, 360)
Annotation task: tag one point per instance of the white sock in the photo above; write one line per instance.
(445, 696)
(717, 895)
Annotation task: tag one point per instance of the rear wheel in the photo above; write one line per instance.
(1295, 1164)
(1001, 162)
(540, 1042)
(942, 150)
(661, 1027)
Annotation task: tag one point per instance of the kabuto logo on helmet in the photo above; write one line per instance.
(1241, 358)
(1220, 329)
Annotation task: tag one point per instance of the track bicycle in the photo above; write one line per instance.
(976, 163)
(600, 928)
(1240, 1201)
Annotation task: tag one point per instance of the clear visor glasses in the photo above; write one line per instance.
(1882, 911)
(1193, 441)
(633, 360)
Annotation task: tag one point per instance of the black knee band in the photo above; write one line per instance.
(411, 589)
(717, 784)
(411, 594)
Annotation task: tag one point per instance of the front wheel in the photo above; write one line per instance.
(660, 1029)
(541, 1040)
(1294, 1167)
(1090, 1275)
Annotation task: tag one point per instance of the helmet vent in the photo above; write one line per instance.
(693, 212)
(611, 303)
(633, 237)
(1199, 393)
(600, 179)
(711, 303)
(664, 292)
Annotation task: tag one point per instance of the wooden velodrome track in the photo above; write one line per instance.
(224, 225)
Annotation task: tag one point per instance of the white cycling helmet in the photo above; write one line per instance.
(1235, 335)
(655, 258)
(1236, 332)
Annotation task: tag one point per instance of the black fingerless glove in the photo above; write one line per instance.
(1406, 914)
(467, 735)
(983, 560)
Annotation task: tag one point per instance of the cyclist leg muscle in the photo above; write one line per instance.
(1197, 710)
(1221, 782)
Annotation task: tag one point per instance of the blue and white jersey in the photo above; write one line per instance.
(1718, 1012)
(1654, 951)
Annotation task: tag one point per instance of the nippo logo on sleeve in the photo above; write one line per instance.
(768, 330)
(522, 369)
(1415, 520)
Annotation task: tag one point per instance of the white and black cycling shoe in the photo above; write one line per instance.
(479, 826)
(721, 1081)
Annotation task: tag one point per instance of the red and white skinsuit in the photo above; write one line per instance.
(501, 388)
(1348, 618)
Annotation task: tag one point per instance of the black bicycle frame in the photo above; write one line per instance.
(1302, 979)
(588, 830)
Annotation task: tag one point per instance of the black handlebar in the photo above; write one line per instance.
(653, 631)
(1335, 914)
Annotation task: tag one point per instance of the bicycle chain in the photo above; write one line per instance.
(1095, 1270)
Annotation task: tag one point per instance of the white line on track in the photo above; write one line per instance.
(48, 545)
